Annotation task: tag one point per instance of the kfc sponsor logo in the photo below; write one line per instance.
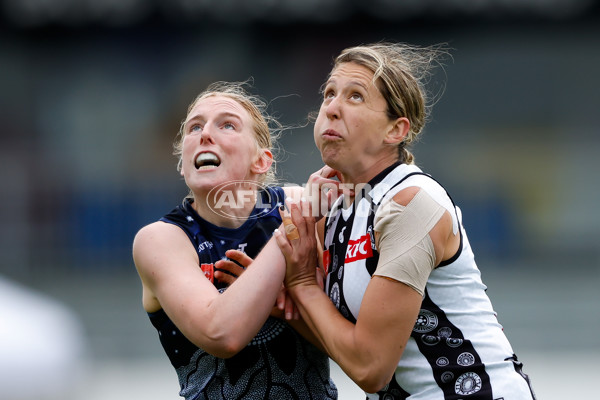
(359, 249)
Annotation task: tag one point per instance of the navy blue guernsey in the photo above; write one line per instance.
(278, 363)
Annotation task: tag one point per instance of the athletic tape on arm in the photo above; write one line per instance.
(406, 252)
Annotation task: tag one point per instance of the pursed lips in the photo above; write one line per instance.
(331, 134)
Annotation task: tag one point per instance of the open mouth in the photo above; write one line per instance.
(207, 161)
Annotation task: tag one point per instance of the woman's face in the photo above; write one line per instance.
(219, 144)
(352, 127)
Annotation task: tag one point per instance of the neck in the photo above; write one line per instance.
(359, 177)
(230, 207)
(354, 181)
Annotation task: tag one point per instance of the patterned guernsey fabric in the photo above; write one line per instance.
(278, 363)
(457, 349)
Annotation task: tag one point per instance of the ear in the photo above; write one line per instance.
(262, 164)
(398, 131)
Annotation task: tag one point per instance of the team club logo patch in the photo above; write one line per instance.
(359, 249)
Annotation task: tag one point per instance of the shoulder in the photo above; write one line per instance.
(434, 190)
(405, 196)
(161, 253)
(155, 231)
(155, 238)
(406, 186)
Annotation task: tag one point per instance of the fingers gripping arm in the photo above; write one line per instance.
(369, 351)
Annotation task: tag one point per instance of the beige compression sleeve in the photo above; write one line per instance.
(406, 252)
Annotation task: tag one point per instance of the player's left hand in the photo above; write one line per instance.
(228, 270)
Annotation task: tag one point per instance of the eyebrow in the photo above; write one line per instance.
(229, 114)
(221, 114)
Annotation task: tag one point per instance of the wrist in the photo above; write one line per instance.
(305, 290)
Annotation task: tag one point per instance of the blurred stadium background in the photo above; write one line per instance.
(92, 93)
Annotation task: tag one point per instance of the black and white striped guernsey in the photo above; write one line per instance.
(457, 349)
